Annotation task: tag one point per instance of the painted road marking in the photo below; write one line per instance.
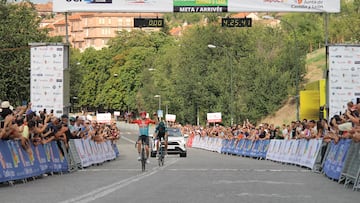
(238, 170)
(256, 181)
(127, 139)
(273, 195)
(103, 191)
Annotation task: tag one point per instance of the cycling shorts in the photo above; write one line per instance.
(144, 139)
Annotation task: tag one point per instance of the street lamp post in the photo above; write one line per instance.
(211, 46)
(297, 72)
(158, 96)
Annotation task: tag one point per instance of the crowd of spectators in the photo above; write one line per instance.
(346, 126)
(41, 127)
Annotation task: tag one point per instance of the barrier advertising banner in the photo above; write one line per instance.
(91, 152)
(321, 6)
(335, 160)
(16, 163)
(242, 147)
(302, 152)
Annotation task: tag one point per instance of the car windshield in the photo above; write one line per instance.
(174, 132)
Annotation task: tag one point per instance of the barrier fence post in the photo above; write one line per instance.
(70, 159)
(74, 154)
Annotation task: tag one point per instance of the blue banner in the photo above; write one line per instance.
(335, 159)
(249, 148)
(49, 157)
(224, 147)
(40, 157)
(19, 163)
(59, 161)
(8, 164)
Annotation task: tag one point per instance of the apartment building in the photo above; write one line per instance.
(90, 29)
(96, 29)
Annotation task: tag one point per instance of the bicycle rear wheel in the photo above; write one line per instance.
(163, 160)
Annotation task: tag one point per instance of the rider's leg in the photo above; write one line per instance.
(157, 145)
(139, 149)
(147, 151)
(139, 146)
(166, 143)
(147, 146)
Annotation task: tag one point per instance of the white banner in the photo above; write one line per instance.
(302, 152)
(91, 152)
(213, 117)
(329, 6)
(103, 117)
(47, 78)
(170, 117)
(344, 77)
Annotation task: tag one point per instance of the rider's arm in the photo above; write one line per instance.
(152, 122)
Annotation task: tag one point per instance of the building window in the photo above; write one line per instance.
(106, 31)
(105, 41)
(101, 21)
(109, 21)
(120, 21)
(128, 21)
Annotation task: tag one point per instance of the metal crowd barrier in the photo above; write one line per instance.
(74, 157)
(86, 152)
(351, 170)
(321, 157)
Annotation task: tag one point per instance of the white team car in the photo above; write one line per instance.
(176, 143)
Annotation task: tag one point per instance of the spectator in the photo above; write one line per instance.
(272, 131)
(284, 132)
(278, 133)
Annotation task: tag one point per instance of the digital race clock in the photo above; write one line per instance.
(148, 22)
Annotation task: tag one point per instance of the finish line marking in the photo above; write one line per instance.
(255, 181)
(238, 170)
(103, 191)
(273, 195)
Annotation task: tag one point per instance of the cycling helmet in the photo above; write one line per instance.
(161, 124)
(142, 113)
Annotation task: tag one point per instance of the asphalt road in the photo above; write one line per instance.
(201, 177)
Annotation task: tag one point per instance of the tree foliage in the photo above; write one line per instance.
(19, 26)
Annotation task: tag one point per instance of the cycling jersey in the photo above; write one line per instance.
(160, 130)
(144, 126)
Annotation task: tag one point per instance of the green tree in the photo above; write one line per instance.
(19, 26)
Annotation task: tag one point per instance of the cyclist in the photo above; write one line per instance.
(143, 123)
(161, 134)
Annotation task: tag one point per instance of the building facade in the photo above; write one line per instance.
(89, 29)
